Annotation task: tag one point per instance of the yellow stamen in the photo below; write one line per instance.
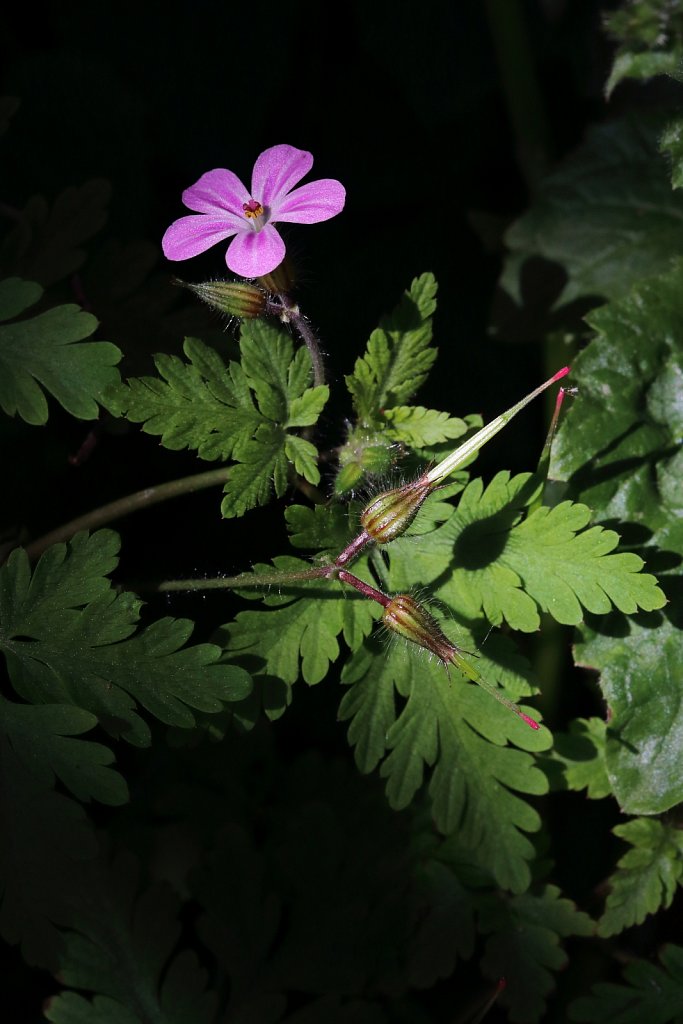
(253, 209)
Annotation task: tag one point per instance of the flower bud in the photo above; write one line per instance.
(236, 298)
(404, 616)
(280, 281)
(357, 461)
(391, 513)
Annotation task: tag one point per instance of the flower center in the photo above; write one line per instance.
(256, 214)
(253, 208)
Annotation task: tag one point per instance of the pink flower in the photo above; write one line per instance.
(225, 208)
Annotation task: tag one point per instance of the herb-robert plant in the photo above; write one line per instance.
(384, 519)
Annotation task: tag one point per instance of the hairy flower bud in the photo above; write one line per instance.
(358, 460)
(236, 298)
(391, 513)
(404, 616)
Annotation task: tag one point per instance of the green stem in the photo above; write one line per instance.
(123, 506)
(240, 582)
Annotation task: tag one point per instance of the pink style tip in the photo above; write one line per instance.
(562, 373)
(560, 399)
(531, 722)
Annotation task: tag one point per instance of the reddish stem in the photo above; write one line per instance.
(364, 588)
(354, 548)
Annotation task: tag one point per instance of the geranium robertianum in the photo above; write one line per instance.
(225, 208)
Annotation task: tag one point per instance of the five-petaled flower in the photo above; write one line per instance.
(225, 208)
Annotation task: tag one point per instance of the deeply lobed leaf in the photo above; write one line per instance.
(242, 412)
(48, 353)
(646, 877)
(398, 355)
(64, 632)
(460, 733)
(488, 559)
(525, 946)
(652, 993)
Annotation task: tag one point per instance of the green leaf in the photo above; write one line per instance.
(120, 949)
(303, 455)
(199, 404)
(607, 215)
(239, 412)
(398, 355)
(418, 427)
(510, 568)
(642, 66)
(461, 734)
(68, 638)
(304, 411)
(640, 670)
(619, 451)
(524, 947)
(301, 636)
(261, 469)
(446, 929)
(671, 143)
(647, 876)
(580, 756)
(650, 33)
(278, 910)
(627, 404)
(323, 528)
(41, 354)
(653, 994)
(41, 739)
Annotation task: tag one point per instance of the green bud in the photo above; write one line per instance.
(377, 458)
(348, 477)
(357, 461)
(236, 298)
(391, 513)
(404, 616)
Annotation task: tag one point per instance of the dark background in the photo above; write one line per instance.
(438, 116)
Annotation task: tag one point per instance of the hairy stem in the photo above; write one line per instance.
(240, 582)
(123, 506)
(310, 340)
(289, 312)
(364, 588)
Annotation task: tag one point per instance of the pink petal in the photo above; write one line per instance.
(319, 200)
(189, 236)
(256, 252)
(276, 171)
(217, 192)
